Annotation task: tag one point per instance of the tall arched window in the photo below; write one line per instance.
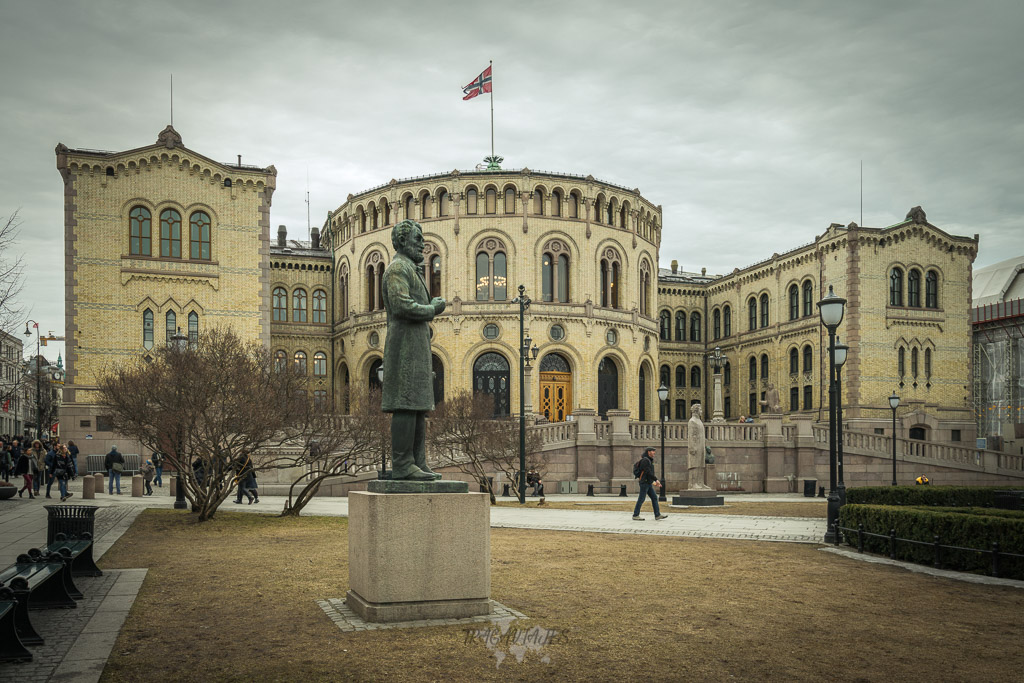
(510, 200)
(752, 313)
(645, 288)
(385, 211)
(680, 376)
(680, 325)
(931, 289)
(727, 374)
(598, 206)
(808, 357)
(913, 362)
(435, 275)
(555, 272)
(425, 204)
(764, 310)
(794, 302)
(371, 288)
(409, 207)
(170, 233)
(193, 328)
(362, 219)
(610, 213)
(914, 288)
(665, 326)
(199, 236)
(665, 376)
(794, 362)
(319, 364)
(280, 305)
(280, 360)
(443, 203)
(928, 364)
(901, 362)
(471, 199)
(343, 291)
(170, 327)
(147, 329)
(716, 324)
(300, 362)
(538, 202)
(695, 377)
(562, 276)
(140, 231)
(696, 334)
(896, 287)
(752, 369)
(319, 306)
(491, 376)
(491, 201)
(610, 279)
(299, 306)
(727, 321)
(556, 203)
(491, 271)
(764, 366)
(808, 298)
(574, 205)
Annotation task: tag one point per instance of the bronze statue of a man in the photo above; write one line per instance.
(408, 376)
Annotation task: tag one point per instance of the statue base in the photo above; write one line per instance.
(410, 486)
(698, 497)
(419, 555)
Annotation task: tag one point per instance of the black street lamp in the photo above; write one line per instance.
(840, 354)
(894, 403)
(524, 360)
(383, 453)
(39, 405)
(663, 395)
(831, 309)
(179, 342)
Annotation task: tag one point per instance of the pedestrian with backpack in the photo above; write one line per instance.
(644, 471)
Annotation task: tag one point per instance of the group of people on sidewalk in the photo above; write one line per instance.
(152, 471)
(37, 461)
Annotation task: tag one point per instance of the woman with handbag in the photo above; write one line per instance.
(62, 469)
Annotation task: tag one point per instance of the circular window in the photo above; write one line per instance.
(612, 336)
(491, 331)
(374, 339)
(557, 332)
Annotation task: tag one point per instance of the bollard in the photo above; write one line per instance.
(88, 492)
(137, 486)
(97, 483)
(173, 486)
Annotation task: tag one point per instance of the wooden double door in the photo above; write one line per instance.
(556, 395)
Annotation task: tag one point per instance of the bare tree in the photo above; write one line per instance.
(207, 407)
(464, 434)
(12, 313)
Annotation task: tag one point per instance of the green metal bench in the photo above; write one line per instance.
(11, 647)
(36, 585)
(80, 548)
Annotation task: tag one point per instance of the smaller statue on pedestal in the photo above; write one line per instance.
(771, 400)
(696, 451)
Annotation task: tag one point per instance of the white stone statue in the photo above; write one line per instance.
(696, 451)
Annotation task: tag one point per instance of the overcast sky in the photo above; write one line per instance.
(746, 121)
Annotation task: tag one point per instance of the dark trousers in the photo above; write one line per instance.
(408, 441)
(647, 490)
(149, 487)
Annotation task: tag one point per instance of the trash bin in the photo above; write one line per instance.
(71, 520)
(809, 486)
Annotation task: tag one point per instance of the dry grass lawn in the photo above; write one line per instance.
(767, 509)
(234, 600)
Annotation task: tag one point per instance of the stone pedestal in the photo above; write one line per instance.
(97, 484)
(418, 554)
(137, 486)
(88, 492)
(698, 497)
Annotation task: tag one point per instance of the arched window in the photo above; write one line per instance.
(538, 202)
(896, 287)
(510, 200)
(435, 275)
(319, 364)
(645, 288)
(680, 325)
(170, 327)
(727, 321)
(913, 363)
(607, 386)
(794, 302)
(680, 376)
(610, 279)
(491, 271)
(574, 210)
(808, 297)
(471, 208)
(491, 201)
(199, 236)
(752, 363)
(666, 325)
(931, 289)
(808, 357)
(610, 211)
(443, 203)
(343, 291)
(764, 310)
(147, 329)
(193, 328)
(300, 362)
(901, 363)
(764, 366)
(598, 206)
(491, 376)
(716, 324)
(665, 376)
(299, 306)
(280, 360)
(928, 364)
(695, 377)
(752, 313)
(170, 233)
(914, 288)
(319, 306)
(140, 231)
(362, 220)
(556, 203)
(727, 374)
(385, 211)
(373, 216)
(695, 331)
(562, 275)
(424, 204)
(794, 362)
(555, 273)
(280, 305)
(409, 208)
(624, 216)
(371, 289)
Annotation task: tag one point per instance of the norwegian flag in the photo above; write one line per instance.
(479, 86)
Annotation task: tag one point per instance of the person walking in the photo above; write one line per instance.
(23, 468)
(158, 465)
(63, 469)
(6, 462)
(49, 461)
(148, 471)
(647, 483)
(243, 469)
(40, 456)
(73, 452)
(113, 464)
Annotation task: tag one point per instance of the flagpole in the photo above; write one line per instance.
(491, 67)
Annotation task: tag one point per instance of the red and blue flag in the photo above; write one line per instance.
(479, 86)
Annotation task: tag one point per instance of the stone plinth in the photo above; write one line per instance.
(137, 486)
(418, 556)
(406, 486)
(88, 492)
(698, 497)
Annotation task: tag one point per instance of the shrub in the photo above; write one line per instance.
(963, 528)
(945, 496)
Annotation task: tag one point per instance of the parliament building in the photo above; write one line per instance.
(161, 238)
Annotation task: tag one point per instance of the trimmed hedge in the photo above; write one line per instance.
(944, 496)
(974, 529)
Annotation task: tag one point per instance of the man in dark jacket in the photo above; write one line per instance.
(647, 483)
(113, 458)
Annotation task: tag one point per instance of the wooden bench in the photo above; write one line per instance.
(11, 647)
(35, 585)
(591, 488)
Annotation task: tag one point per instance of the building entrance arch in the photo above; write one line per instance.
(607, 386)
(491, 376)
(555, 387)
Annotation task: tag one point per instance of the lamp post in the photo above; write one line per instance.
(663, 395)
(894, 403)
(179, 342)
(840, 356)
(717, 362)
(39, 405)
(831, 309)
(383, 454)
(524, 360)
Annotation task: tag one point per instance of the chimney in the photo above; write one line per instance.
(314, 236)
(703, 271)
(675, 266)
(282, 236)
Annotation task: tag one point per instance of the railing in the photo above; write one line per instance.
(789, 432)
(603, 430)
(651, 431)
(734, 432)
(556, 432)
